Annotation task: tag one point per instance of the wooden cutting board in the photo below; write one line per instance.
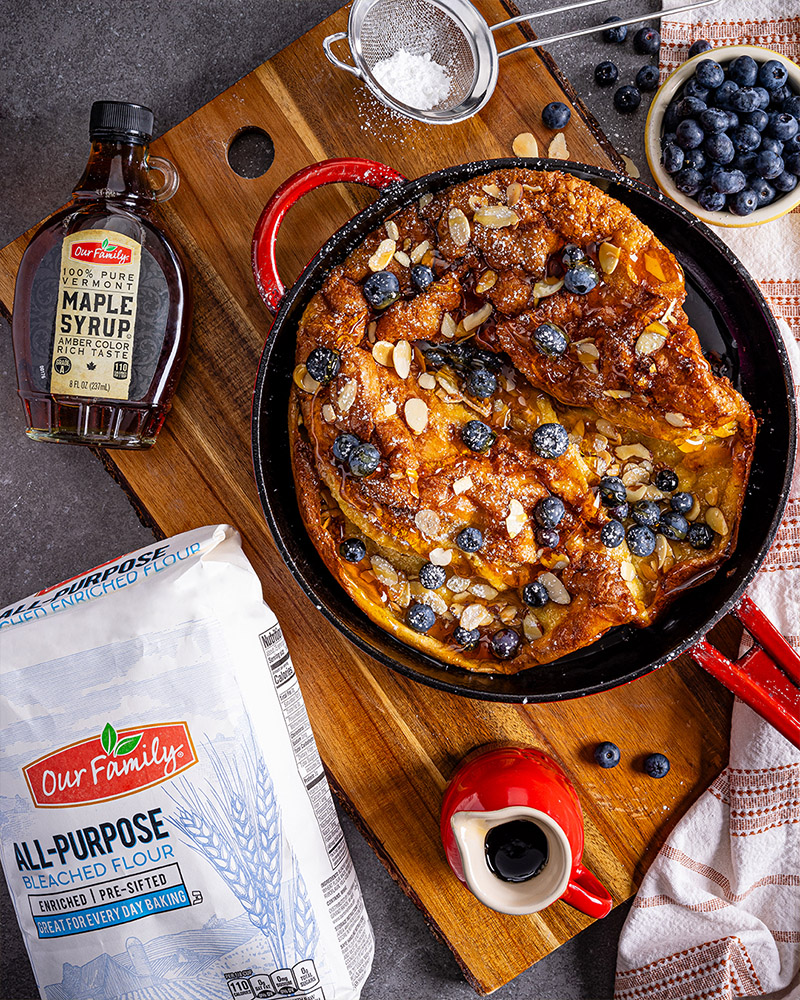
(390, 745)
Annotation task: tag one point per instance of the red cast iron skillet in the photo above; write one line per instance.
(737, 331)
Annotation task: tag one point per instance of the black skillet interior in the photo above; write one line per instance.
(732, 320)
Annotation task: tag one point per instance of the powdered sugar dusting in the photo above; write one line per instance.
(415, 80)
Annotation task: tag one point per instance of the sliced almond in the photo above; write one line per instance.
(328, 413)
(715, 519)
(392, 231)
(637, 450)
(517, 518)
(458, 224)
(635, 493)
(382, 351)
(427, 381)
(694, 513)
(608, 256)
(648, 571)
(496, 217)
(588, 347)
(492, 190)
(548, 286)
(531, 628)
(430, 524)
(557, 150)
(371, 332)
(508, 614)
(441, 557)
(458, 584)
(608, 429)
(712, 496)
(616, 393)
(382, 255)
(525, 145)
(433, 600)
(347, 396)
(402, 258)
(416, 414)
(476, 200)
(513, 194)
(664, 553)
(310, 384)
(474, 320)
(388, 409)
(401, 358)
(425, 200)
(448, 326)
(635, 475)
(419, 251)
(483, 590)
(402, 594)
(649, 343)
(676, 419)
(556, 590)
(303, 380)
(486, 281)
(475, 615)
(384, 571)
(627, 571)
(653, 265)
(462, 485)
(630, 167)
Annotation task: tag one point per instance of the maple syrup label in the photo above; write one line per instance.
(95, 315)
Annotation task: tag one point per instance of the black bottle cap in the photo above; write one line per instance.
(118, 120)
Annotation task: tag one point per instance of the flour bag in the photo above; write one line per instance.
(167, 828)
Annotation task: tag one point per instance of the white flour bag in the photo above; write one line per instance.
(167, 829)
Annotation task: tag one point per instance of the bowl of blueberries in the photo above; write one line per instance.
(723, 136)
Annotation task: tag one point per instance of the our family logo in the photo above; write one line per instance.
(100, 252)
(111, 765)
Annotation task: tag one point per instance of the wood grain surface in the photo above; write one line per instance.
(390, 745)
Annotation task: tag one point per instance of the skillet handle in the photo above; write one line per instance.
(767, 677)
(265, 267)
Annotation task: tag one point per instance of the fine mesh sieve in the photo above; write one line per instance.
(457, 38)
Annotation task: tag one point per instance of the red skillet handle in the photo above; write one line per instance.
(265, 267)
(767, 677)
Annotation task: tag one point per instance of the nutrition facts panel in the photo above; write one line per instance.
(305, 750)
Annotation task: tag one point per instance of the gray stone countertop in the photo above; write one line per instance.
(59, 511)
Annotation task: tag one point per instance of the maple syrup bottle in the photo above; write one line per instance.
(102, 302)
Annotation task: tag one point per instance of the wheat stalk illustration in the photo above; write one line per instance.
(306, 932)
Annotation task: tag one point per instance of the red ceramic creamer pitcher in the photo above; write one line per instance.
(504, 806)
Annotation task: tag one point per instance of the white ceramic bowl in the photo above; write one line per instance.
(653, 129)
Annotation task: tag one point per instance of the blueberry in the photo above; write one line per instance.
(785, 182)
(710, 200)
(745, 99)
(792, 145)
(605, 74)
(689, 135)
(666, 480)
(777, 97)
(688, 181)
(723, 94)
(746, 162)
(432, 577)
(323, 364)
(363, 459)
(550, 339)
(712, 121)
(434, 358)
(612, 491)
(612, 534)
(572, 254)
(647, 78)
(681, 502)
(486, 359)
(746, 138)
(422, 276)
(743, 70)
(381, 289)
(505, 644)
(481, 384)
(656, 765)
(641, 540)
(673, 525)
(556, 115)
(768, 164)
(420, 617)
(352, 550)
(467, 638)
(719, 149)
(694, 158)
(343, 445)
(646, 512)
(580, 279)
(709, 73)
(743, 202)
(607, 754)
(694, 89)
(765, 192)
(548, 538)
(792, 163)
(619, 511)
(691, 107)
(549, 512)
(672, 158)
(671, 117)
(728, 181)
(477, 436)
(701, 45)
(758, 119)
(627, 99)
(763, 98)
(700, 536)
(535, 594)
(550, 440)
(469, 539)
(733, 120)
(668, 139)
(782, 126)
(772, 75)
(460, 355)
(791, 106)
(616, 35)
(647, 41)
(771, 145)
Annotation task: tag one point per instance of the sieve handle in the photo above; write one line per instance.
(327, 45)
(344, 169)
